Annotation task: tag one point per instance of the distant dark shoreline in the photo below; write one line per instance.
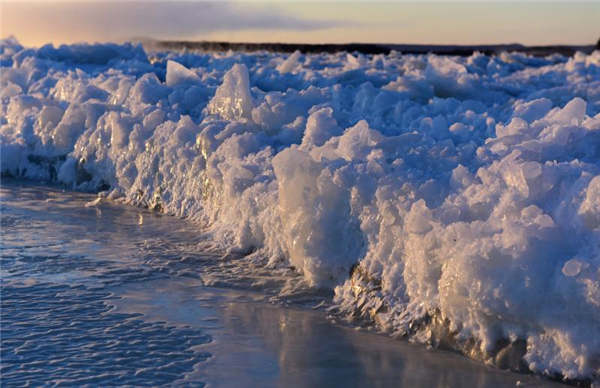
(367, 48)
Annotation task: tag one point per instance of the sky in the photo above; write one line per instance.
(532, 22)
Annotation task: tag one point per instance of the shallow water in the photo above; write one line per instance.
(105, 294)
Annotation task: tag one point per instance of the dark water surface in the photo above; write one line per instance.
(102, 294)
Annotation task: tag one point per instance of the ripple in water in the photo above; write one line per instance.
(68, 335)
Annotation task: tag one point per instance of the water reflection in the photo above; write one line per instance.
(257, 344)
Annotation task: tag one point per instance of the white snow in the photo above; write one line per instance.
(464, 188)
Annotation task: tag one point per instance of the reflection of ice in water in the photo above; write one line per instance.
(64, 266)
(257, 344)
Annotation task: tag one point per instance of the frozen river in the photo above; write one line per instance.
(104, 294)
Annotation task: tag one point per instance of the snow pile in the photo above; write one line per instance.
(455, 201)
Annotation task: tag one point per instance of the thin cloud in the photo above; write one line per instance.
(102, 21)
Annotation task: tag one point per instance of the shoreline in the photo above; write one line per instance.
(367, 48)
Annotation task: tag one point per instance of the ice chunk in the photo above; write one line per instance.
(233, 100)
(573, 113)
(449, 77)
(10, 89)
(68, 171)
(358, 141)
(320, 127)
(323, 240)
(533, 110)
(49, 117)
(95, 54)
(290, 63)
(590, 207)
(186, 131)
(148, 89)
(354, 62)
(16, 76)
(177, 74)
(517, 126)
(461, 177)
(68, 130)
(120, 128)
(418, 220)
(416, 86)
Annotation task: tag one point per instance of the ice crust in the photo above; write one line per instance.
(429, 192)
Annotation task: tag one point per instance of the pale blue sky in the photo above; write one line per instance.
(442, 22)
